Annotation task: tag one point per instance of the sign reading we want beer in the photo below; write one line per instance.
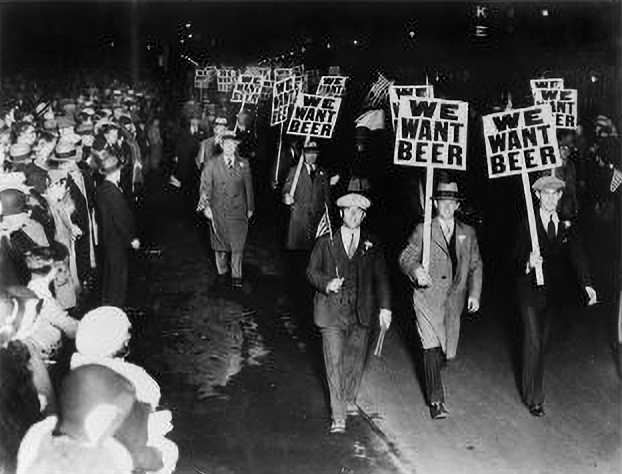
(314, 116)
(431, 133)
(521, 140)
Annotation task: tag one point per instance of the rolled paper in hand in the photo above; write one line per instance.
(383, 331)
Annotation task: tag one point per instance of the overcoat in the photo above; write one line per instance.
(372, 290)
(438, 307)
(308, 208)
(229, 193)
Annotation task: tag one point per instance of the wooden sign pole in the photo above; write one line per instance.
(427, 222)
(299, 168)
(533, 231)
(278, 156)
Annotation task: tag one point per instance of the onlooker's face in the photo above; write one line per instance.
(219, 130)
(352, 216)
(446, 208)
(310, 157)
(549, 199)
(229, 147)
(28, 136)
(112, 136)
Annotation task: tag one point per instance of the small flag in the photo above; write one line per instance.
(324, 226)
(379, 92)
(372, 119)
(616, 180)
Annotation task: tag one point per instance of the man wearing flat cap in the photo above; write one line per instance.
(352, 298)
(561, 254)
(441, 290)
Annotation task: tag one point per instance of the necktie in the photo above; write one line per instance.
(550, 230)
(312, 172)
(230, 163)
(352, 246)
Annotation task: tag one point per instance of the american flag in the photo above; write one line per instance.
(379, 92)
(324, 225)
(616, 180)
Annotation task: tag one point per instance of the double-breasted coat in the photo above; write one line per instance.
(229, 193)
(438, 307)
(308, 208)
(372, 282)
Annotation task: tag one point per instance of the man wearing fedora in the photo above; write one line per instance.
(441, 290)
(352, 297)
(227, 200)
(117, 231)
(560, 255)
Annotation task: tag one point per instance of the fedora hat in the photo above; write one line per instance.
(447, 191)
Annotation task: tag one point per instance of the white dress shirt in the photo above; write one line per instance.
(447, 227)
(348, 234)
(546, 217)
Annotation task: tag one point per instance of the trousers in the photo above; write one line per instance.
(345, 351)
(236, 262)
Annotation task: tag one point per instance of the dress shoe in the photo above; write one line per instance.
(438, 411)
(537, 411)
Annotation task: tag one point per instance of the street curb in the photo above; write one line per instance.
(396, 457)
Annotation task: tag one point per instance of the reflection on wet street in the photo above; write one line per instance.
(241, 371)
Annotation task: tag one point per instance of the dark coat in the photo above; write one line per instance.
(562, 257)
(372, 292)
(308, 208)
(114, 217)
(81, 218)
(187, 149)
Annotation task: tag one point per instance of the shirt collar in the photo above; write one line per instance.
(546, 216)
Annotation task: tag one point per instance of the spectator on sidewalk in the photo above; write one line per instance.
(560, 253)
(454, 272)
(117, 231)
(349, 275)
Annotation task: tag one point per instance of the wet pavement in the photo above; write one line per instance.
(241, 371)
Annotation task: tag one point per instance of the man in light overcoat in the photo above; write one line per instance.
(454, 273)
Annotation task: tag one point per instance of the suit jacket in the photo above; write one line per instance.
(229, 194)
(115, 219)
(562, 257)
(308, 207)
(446, 296)
(372, 292)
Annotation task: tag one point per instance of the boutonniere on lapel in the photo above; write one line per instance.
(565, 225)
(367, 245)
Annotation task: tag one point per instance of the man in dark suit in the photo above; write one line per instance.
(349, 275)
(453, 275)
(560, 253)
(117, 231)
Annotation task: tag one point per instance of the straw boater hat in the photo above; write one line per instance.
(548, 182)
(15, 181)
(447, 191)
(19, 153)
(65, 151)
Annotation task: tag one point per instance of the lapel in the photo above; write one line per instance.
(460, 237)
(438, 237)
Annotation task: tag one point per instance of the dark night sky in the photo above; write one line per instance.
(50, 32)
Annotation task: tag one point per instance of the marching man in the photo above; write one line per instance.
(349, 275)
(455, 272)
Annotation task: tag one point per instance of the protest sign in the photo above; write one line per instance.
(283, 96)
(521, 140)
(563, 104)
(203, 77)
(281, 73)
(431, 133)
(547, 84)
(266, 90)
(264, 72)
(396, 92)
(332, 86)
(226, 78)
(314, 116)
(247, 89)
